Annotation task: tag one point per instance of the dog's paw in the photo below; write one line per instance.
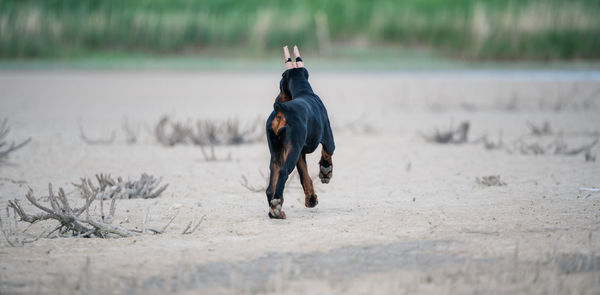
(311, 201)
(275, 209)
(325, 173)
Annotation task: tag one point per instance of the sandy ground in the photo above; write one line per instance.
(400, 215)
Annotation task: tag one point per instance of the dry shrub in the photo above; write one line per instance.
(206, 132)
(490, 180)
(451, 135)
(74, 221)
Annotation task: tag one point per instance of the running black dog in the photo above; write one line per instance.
(296, 127)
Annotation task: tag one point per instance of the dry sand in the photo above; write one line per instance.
(400, 215)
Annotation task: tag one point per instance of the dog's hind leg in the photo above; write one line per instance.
(290, 158)
(310, 198)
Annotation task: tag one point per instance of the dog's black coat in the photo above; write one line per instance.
(307, 126)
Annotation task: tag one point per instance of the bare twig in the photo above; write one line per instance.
(15, 181)
(145, 222)
(131, 131)
(564, 150)
(254, 189)
(6, 232)
(490, 144)
(197, 225)
(99, 141)
(208, 157)
(188, 226)
(542, 130)
(4, 130)
(168, 223)
(188, 231)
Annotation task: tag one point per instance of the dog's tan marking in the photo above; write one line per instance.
(277, 164)
(325, 156)
(278, 122)
(275, 174)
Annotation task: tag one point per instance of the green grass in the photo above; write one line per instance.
(346, 59)
(465, 29)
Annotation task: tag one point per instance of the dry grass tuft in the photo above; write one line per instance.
(206, 132)
(451, 135)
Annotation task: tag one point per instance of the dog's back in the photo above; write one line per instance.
(304, 112)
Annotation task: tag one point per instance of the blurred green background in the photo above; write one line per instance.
(465, 30)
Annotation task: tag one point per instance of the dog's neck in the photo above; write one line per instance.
(294, 82)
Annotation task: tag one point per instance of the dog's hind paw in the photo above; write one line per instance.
(275, 209)
(325, 173)
(311, 201)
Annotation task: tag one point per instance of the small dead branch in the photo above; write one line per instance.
(531, 149)
(254, 189)
(7, 232)
(491, 180)
(147, 187)
(12, 238)
(99, 141)
(556, 147)
(589, 157)
(542, 130)
(145, 228)
(14, 181)
(490, 144)
(131, 131)
(454, 136)
(561, 148)
(208, 157)
(164, 229)
(5, 152)
(193, 226)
